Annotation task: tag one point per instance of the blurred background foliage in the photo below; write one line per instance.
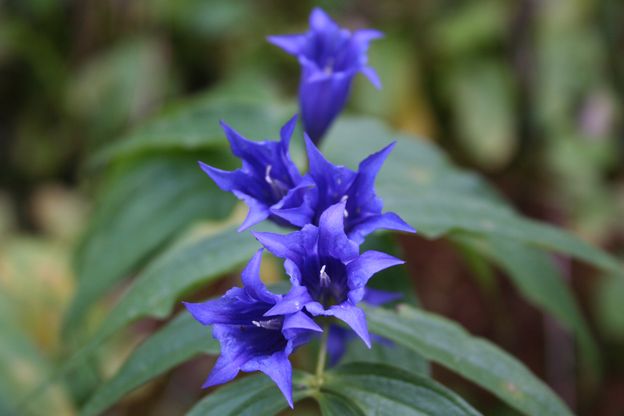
(528, 92)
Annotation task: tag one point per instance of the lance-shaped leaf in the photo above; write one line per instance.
(478, 360)
(419, 184)
(378, 389)
(537, 278)
(250, 396)
(177, 342)
(143, 206)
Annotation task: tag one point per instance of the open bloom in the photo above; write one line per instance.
(326, 270)
(330, 56)
(332, 184)
(268, 179)
(250, 340)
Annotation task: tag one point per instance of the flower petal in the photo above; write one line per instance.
(352, 316)
(372, 76)
(279, 245)
(292, 44)
(278, 368)
(224, 179)
(300, 320)
(257, 213)
(333, 242)
(292, 302)
(252, 282)
(361, 269)
(223, 371)
(386, 221)
(319, 20)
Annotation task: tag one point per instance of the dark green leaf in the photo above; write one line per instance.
(377, 389)
(195, 125)
(143, 208)
(251, 396)
(178, 341)
(335, 405)
(419, 184)
(536, 276)
(155, 291)
(480, 361)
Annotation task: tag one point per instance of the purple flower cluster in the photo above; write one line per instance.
(332, 209)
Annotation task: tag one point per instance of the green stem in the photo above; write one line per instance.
(320, 363)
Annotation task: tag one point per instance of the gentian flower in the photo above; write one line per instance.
(268, 179)
(326, 270)
(250, 340)
(330, 57)
(363, 209)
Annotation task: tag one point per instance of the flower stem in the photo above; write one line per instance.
(322, 355)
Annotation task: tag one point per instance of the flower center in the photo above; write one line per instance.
(270, 324)
(278, 188)
(343, 199)
(324, 277)
(329, 66)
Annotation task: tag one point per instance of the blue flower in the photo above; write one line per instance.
(268, 179)
(250, 339)
(332, 184)
(326, 270)
(330, 57)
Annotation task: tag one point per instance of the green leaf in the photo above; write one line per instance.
(377, 389)
(252, 395)
(145, 205)
(178, 341)
(382, 353)
(419, 184)
(478, 360)
(608, 297)
(194, 125)
(155, 291)
(537, 278)
(333, 404)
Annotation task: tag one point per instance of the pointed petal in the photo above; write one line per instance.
(258, 211)
(216, 311)
(278, 368)
(363, 36)
(387, 221)
(223, 371)
(333, 242)
(245, 149)
(287, 130)
(292, 44)
(372, 76)
(371, 165)
(360, 270)
(292, 302)
(252, 282)
(279, 245)
(319, 20)
(300, 320)
(318, 163)
(354, 317)
(224, 179)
